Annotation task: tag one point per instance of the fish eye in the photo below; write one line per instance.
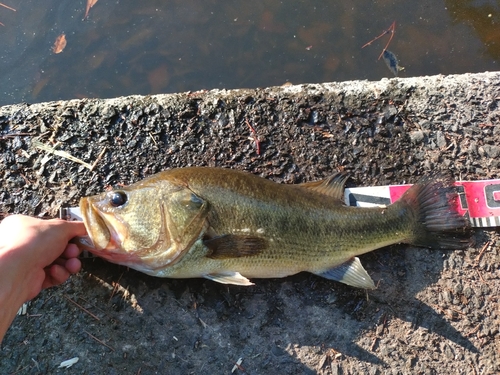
(117, 198)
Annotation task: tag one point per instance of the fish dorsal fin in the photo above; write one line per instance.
(229, 277)
(351, 273)
(234, 246)
(332, 186)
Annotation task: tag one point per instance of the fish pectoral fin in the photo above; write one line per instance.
(234, 246)
(234, 278)
(332, 186)
(351, 273)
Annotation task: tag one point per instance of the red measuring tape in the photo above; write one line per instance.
(479, 200)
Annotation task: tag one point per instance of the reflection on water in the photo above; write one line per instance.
(483, 17)
(163, 46)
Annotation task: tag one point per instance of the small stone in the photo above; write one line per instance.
(417, 136)
(440, 139)
(490, 151)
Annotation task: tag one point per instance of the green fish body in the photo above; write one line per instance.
(229, 226)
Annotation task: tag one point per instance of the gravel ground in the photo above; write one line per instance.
(434, 312)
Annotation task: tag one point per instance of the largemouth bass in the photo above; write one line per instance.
(229, 226)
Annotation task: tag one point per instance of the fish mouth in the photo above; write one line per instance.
(103, 234)
(97, 229)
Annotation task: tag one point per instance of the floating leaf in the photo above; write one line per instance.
(392, 62)
(59, 44)
(90, 4)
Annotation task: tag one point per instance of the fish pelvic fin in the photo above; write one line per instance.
(229, 277)
(351, 273)
(433, 203)
(332, 186)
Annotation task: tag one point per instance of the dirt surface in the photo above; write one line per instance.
(434, 312)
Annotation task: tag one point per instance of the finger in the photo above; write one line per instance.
(47, 282)
(73, 265)
(59, 261)
(55, 275)
(70, 228)
(68, 260)
(71, 251)
(58, 274)
(76, 229)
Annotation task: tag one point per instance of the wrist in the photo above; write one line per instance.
(12, 293)
(9, 305)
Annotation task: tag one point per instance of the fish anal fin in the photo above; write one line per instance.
(234, 246)
(351, 273)
(332, 186)
(234, 278)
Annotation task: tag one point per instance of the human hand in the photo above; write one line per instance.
(34, 254)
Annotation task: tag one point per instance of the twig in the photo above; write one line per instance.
(237, 365)
(153, 138)
(83, 308)
(8, 7)
(255, 137)
(98, 158)
(447, 311)
(99, 341)
(384, 323)
(478, 258)
(20, 370)
(391, 30)
(62, 154)
(115, 287)
(205, 325)
(481, 277)
(5, 136)
(94, 306)
(474, 330)
(36, 364)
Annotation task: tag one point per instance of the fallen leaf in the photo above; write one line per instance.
(90, 4)
(392, 62)
(68, 363)
(59, 44)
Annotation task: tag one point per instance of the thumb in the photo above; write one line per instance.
(71, 228)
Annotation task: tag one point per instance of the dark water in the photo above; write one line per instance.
(150, 47)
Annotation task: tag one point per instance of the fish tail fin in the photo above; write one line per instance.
(433, 203)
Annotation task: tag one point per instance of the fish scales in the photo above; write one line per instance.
(236, 225)
(301, 218)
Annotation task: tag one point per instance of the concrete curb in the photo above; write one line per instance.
(432, 309)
